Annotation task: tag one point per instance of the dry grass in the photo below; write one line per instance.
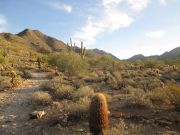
(64, 92)
(84, 91)
(40, 98)
(4, 82)
(139, 100)
(123, 128)
(173, 93)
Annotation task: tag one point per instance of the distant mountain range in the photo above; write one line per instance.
(171, 55)
(42, 43)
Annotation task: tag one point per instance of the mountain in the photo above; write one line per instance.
(36, 40)
(98, 52)
(137, 57)
(171, 55)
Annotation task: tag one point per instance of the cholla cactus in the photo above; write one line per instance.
(98, 121)
(13, 76)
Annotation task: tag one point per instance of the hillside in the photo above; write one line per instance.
(171, 55)
(42, 43)
(35, 40)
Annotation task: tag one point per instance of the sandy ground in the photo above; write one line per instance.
(13, 105)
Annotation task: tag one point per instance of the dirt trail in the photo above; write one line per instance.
(14, 112)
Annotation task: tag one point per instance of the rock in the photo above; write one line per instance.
(37, 114)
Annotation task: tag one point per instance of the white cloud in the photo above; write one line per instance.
(163, 2)
(156, 34)
(138, 5)
(3, 23)
(61, 6)
(110, 18)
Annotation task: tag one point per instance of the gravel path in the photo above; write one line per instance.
(14, 113)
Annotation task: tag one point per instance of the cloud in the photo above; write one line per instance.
(111, 17)
(156, 34)
(3, 23)
(138, 5)
(61, 6)
(163, 2)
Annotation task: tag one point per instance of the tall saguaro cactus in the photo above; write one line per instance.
(83, 51)
(98, 121)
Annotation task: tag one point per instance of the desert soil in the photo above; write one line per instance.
(14, 109)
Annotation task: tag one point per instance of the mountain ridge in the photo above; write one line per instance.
(43, 43)
(168, 55)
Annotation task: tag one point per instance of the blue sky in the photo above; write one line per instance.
(121, 27)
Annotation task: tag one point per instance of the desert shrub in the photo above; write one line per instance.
(173, 92)
(26, 74)
(64, 92)
(79, 110)
(70, 63)
(84, 91)
(168, 95)
(175, 62)
(118, 129)
(148, 84)
(158, 96)
(103, 62)
(171, 75)
(5, 82)
(40, 98)
(139, 63)
(123, 128)
(139, 100)
(132, 90)
(54, 84)
(76, 110)
(153, 63)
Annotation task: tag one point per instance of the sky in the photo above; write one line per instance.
(121, 27)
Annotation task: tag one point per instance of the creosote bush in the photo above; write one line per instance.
(84, 91)
(138, 100)
(70, 63)
(173, 92)
(64, 92)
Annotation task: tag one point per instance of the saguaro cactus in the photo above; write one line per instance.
(83, 51)
(98, 121)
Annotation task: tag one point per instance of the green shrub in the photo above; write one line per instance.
(70, 63)
(103, 62)
(153, 63)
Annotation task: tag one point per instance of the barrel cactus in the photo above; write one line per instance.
(98, 121)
